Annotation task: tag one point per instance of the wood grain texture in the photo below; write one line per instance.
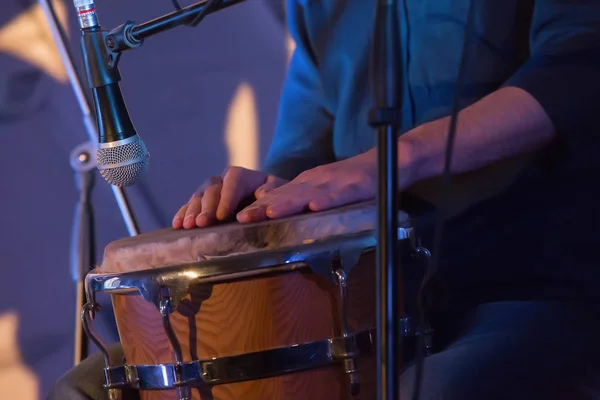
(229, 318)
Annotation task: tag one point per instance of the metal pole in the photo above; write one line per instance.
(85, 106)
(82, 161)
(386, 118)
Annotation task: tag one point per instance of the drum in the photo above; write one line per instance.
(282, 309)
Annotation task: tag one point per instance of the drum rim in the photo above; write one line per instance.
(251, 366)
(333, 258)
(316, 255)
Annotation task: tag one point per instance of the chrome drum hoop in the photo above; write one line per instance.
(249, 366)
(166, 287)
(316, 255)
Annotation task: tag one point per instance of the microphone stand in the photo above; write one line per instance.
(124, 37)
(83, 162)
(385, 116)
(83, 249)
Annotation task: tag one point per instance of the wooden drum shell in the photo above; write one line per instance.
(239, 317)
(232, 317)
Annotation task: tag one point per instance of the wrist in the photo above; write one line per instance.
(410, 160)
(424, 149)
(414, 155)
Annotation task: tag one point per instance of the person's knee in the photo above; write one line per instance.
(86, 380)
(64, 389)
(436, 383)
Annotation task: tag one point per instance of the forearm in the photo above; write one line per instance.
(503, 124)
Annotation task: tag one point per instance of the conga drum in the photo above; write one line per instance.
(282, 309)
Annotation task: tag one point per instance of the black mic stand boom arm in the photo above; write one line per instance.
(102, 50)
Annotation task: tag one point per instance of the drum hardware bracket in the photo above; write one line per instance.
(349, 349)
(181, 376)
(348, 258)
(87, 314)
(249, 366)
(426, 329)
(183, 391)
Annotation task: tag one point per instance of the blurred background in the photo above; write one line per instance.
(201, 98)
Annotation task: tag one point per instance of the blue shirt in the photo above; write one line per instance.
(536, 236)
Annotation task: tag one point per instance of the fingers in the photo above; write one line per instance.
(258, 211)
(326, 202)
(255, 213)
(186, 216)
(287, 206)
(218, 198)
(210, 202)
(269, 207)
(193, 208)
(297, 197)
(288, 199)
(271, 184)
(318, 189)
(315, 194)
(178, 218)
(238, 183)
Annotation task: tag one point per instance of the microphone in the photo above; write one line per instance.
(122, 157)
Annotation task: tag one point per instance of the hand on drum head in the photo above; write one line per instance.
(318, 189)
(220, 197)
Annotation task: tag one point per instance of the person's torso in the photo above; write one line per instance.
(431, 35)
(517, 219)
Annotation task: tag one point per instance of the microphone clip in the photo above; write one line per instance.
(122, 38)
(100, 62)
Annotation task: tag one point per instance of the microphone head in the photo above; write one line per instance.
(122, 163)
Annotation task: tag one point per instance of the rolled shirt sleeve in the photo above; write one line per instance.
(563, 71)
(303, 132)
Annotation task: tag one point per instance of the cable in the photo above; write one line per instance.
(444, 198)
(205, 11)
(176, 4)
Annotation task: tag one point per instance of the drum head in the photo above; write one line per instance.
(169, 247)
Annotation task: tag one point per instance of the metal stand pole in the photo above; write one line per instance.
(83, 162)
(84, 105)
(83, 249)
(386, 118)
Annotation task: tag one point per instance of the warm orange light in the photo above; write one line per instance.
(28, 38)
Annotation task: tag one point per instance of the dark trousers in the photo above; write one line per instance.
(504, 350)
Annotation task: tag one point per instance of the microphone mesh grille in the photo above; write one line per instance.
(123, 165)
